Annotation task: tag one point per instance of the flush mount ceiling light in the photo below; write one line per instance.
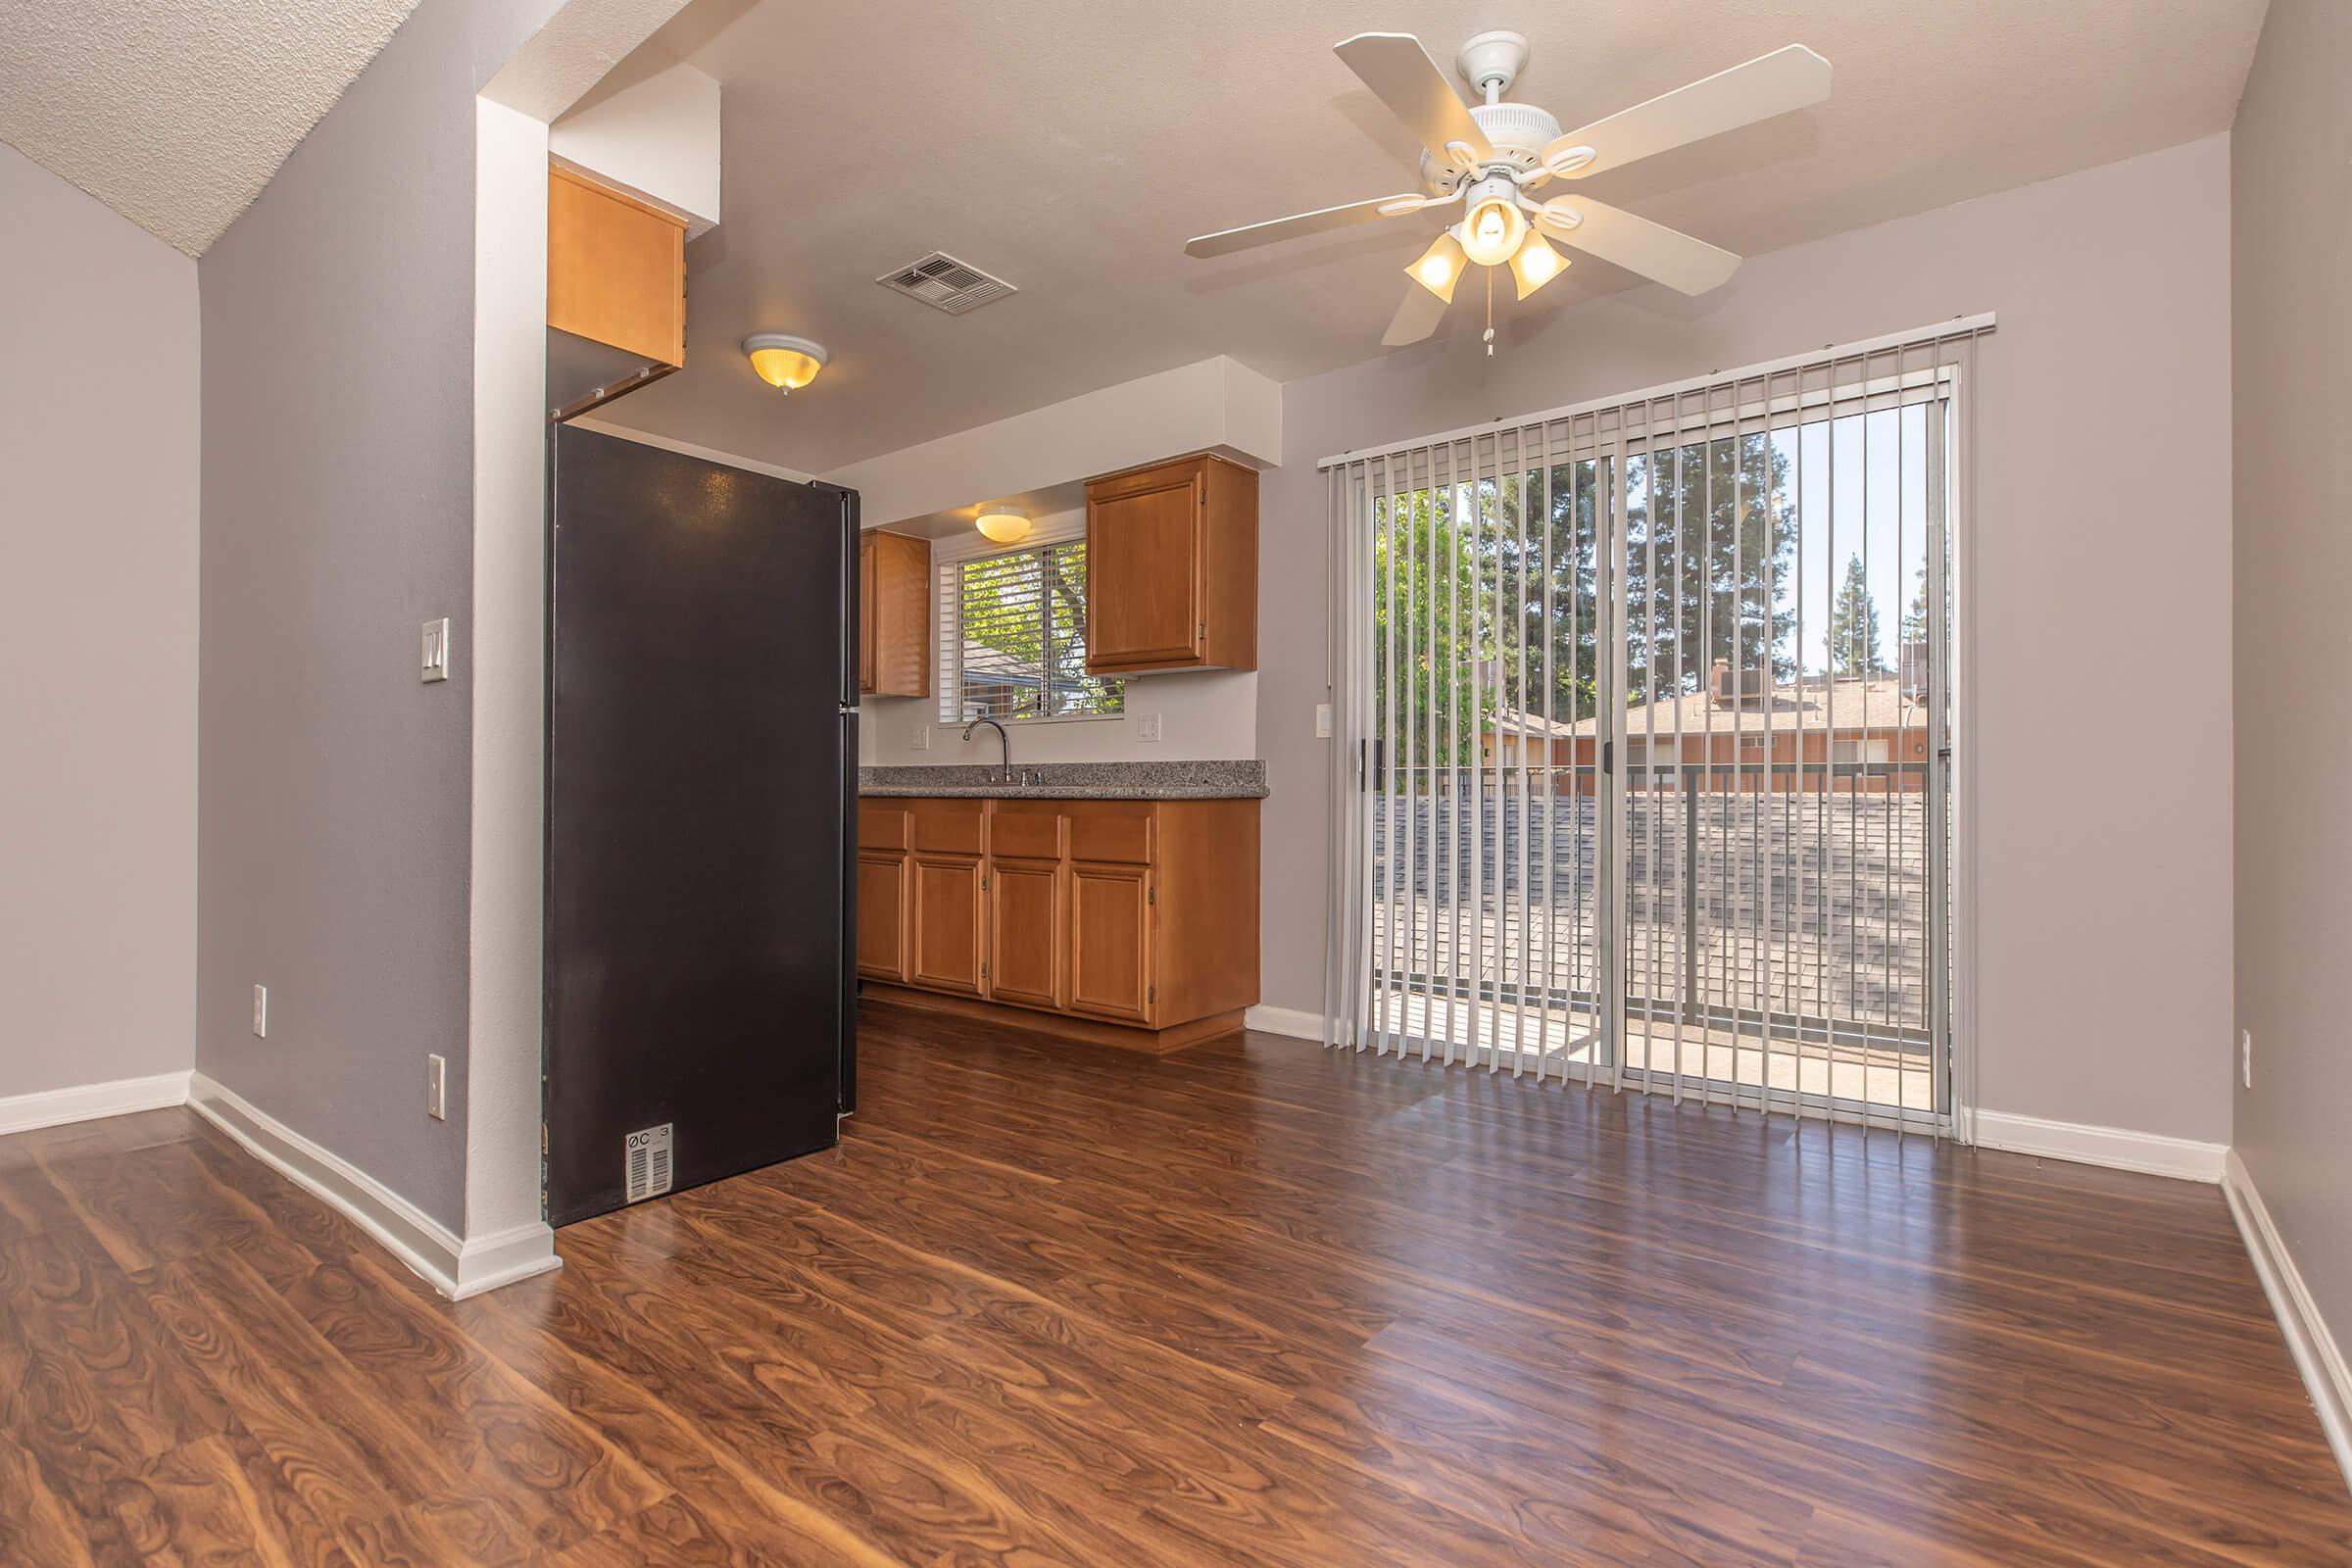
(784, 361)
(1002, 524)
(1489, 156)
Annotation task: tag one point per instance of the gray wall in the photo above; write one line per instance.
(98, 459)
(2102, 519)
(2291, 561)
(337, 494)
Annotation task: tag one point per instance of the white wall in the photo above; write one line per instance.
(2291, 215)
(1211, 406)
(654, 132)
(2102, 615)
(98, 548)
(338, 486)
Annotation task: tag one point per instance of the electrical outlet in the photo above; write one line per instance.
(922, 737)
(261, 1010)
(1322, 721)
(436, 1085)
(434, 651)
(1150, 727)
(2245, 1057)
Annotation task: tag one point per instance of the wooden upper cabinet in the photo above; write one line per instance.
(894, 614)
(616, 269)
(1171, 561)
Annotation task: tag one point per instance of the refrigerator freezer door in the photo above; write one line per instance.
(697, 825)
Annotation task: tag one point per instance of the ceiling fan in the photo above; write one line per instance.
(1489, 156)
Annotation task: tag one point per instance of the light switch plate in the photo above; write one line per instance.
(1322, 721)
(436, 1088)
(922, 737)
(261, 1011)
(435, 650)
(1150, 727)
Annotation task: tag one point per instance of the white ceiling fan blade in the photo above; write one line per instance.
(1400, 74)
(1417, 316)
(1667, 255)
(1769, 84)
(1298, 224)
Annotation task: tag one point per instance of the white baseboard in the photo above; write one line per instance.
(455, 1267)
(2317, 1355)
(54, 1108)
(2089, 1144)
(486, 1262)
(1285, 1021)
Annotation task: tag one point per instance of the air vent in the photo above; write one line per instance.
(645, 1164)
(942, 281)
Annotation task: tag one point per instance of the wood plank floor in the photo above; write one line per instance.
(1252, 1303)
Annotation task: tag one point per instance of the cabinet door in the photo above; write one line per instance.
(1025, 928)
(882, 916)
(868, 619)
(1110, 941)
(947, 926)
(1142, 566)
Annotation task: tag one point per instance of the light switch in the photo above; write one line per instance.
(436, 1088)
(1322, 721)
(436, 650)
(1150, 727)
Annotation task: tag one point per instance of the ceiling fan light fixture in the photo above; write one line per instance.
(1002, 524)
(1535, 264)
(784, 361)
(1438, 267)
(1493, 225)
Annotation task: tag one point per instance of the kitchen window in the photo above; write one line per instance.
(1012, 638)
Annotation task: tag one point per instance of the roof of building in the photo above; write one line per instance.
(1875, 702)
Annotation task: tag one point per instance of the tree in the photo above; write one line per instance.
(1470, 572)
(1710, 541)
(1854, 625)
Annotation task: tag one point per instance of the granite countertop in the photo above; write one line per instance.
(1075, 781)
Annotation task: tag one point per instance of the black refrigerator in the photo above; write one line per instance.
(701, 758)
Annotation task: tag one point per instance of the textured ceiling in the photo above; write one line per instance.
(175, 113)
(1072, 146)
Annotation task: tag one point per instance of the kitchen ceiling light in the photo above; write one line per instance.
(784, 361)
(1535, 264)
(1440, 266)
(1002, 524)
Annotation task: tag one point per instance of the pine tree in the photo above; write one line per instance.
(1854, 625)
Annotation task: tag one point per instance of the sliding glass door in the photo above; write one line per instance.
(1649, 712)
(1485, 843)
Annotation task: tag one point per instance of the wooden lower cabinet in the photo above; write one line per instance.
(882, 914)
(1027, 919)
(1110, 942)
(1125, 922)
(948, 950)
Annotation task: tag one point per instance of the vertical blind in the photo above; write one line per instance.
(1646, 721)
(1015, 644)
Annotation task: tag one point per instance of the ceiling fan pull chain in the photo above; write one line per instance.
(1490, 338)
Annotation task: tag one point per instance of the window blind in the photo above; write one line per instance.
(1609, 799)
(1016, 640)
